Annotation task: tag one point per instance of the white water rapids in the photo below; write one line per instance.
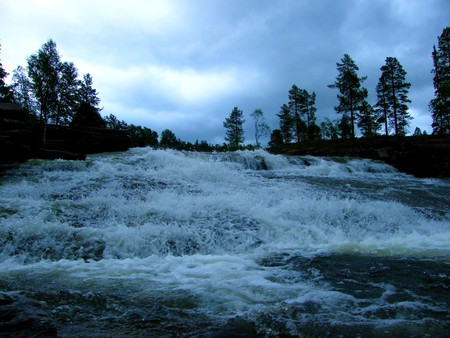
(173, 243)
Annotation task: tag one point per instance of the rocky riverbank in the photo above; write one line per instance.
(421, 156)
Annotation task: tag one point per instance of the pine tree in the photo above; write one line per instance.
(392, 96)
(87, 93)
(297, 105)
(382, 107)
(302, 107)
(368, 122)
(286, 123)
(276, 139)
(440, 105)
(352, 95)
(235, 130)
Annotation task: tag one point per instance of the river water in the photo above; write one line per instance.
(165, 243)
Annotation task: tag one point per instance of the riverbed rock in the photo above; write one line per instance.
(24, 317)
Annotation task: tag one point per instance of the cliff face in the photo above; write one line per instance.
(421, 156)
(20, 140)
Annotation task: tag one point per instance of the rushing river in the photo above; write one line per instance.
(165, 243)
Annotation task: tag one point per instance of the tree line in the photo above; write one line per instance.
(389, 115)
(51, 91)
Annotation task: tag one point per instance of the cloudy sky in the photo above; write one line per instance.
(184, 64)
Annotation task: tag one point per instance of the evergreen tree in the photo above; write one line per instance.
(302, 105)
(112, 122)
(344, 127)
(297, 105)
(87, 93)
(352, 95)
(329, 130)
(392, 93)
(5, 90)
(276, 139)
(87, 115)
(142, 136)
(261, 127)
(169, 140)
(440, 105)
(234, 128)
(382, 107)
(286, 123)
(368, 122)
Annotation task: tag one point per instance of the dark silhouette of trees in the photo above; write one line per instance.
(352, 94)
(22, 93)
(169, 140)
(286, 123)
(66, 92)
(43, 68)
(440, 105)
(112, 122)
(329, 130)
(276, 139)
(392, 94)
(5, 90)
(368, 121)
(87, 115)
(301, 104)
(261, 127)
(234, 128)
(87, 93)
(142, 136)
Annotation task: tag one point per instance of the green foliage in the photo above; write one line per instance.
(440, 105)
(140, 136)
(22, 93)
(112, 122)
(169, 140)
(87, 93)
(276, 139)
(392, 96)
(43, 71)
(351, 94)
(329, 130)
(368, 121)
(344, 128)
(67, 98)
(301, 104)
(87, 116)
(234, 129)
(286, 123)
(313, 132)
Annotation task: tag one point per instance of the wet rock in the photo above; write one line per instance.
(23, 317)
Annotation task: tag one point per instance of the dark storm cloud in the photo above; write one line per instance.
(184, 65)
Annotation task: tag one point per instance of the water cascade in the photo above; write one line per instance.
(158, 242)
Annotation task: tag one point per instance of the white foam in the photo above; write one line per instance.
(161, 202)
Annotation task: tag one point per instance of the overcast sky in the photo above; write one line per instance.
(183, 65)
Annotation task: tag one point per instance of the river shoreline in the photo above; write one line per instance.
(421, 156)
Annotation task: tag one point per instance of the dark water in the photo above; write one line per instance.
(163, 243)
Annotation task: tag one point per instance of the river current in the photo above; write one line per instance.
(166, 243)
